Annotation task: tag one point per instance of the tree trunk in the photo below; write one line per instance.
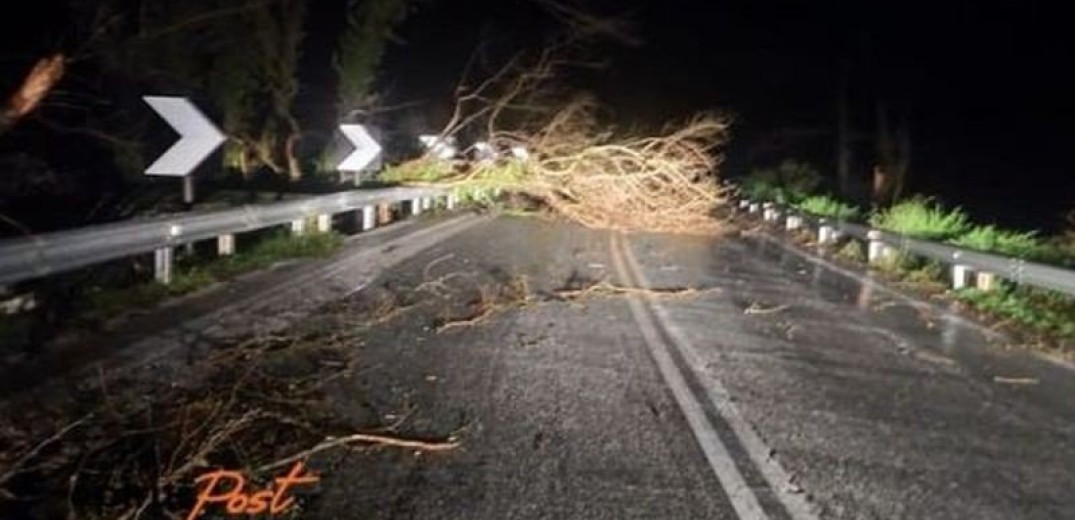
(893, 158)
(903, 159)
(294, 168)
(843, 139)
(882, 171)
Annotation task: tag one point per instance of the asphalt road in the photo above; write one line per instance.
(782, 388)
(752, 381)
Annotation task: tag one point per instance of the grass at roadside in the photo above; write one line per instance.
(194, 274)
(1044, 313)
(1038, 319)
(1044, 318)
(828, 207)
(920, 217)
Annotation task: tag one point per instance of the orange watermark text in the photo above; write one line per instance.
(228, 489)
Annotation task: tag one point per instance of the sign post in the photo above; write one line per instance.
(198, 137)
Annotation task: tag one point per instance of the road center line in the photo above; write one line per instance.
(794, 504)
(720, 460)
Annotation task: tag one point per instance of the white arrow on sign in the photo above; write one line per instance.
(366, 148)
(198, 136)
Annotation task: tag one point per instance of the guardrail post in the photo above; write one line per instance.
(416, 206)
(384, 214)
(298, 227)
(985, 281)
(753, 207)
(369, 218)
(959, 276)
(225, 245)
(825, 233)
(449, 201)
(793, 222)
(324, 223)
(875, 249)
(427, 203)
(744, 204)
(162, 265)
(767, 211)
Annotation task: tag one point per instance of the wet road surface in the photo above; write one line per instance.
(778, 386)
(784, 388)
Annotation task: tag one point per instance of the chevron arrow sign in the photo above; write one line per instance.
(198, 136)
(366, 148)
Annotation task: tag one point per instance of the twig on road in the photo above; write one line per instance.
(758, 309)
(18, 466)
(1015, 380)
(367, 438)
(609, 289)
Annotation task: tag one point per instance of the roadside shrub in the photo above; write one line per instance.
(1002, 241)
(827, 207)
(788, 183)
(852, 251)
(1045, 312)
(922, 217)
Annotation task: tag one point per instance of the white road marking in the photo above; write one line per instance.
(720, 460)
(743, 498)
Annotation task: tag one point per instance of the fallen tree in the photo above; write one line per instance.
(571, 162)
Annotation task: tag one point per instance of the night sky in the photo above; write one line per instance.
(985, 86)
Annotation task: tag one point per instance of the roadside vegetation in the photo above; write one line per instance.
(826, 206)
(91, 304)
(193, 273)
(790, 182)
(924, 218)
(1044, 319)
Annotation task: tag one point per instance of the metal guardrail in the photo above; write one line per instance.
(1017, 270)
(51, 253)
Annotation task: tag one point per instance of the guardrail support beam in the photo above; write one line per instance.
(298, 227)
(162, 265)
(369, 218)
(384, 214)
(324, 223)
(825, 234)
(225, 245)
(875, 249)
(985, 281)
(960, 274)
(793, 222)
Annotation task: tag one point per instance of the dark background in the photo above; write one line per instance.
(985, 86)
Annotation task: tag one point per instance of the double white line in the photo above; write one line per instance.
(652, 319)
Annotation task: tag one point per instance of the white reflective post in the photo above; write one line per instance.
(225, 245)
(324, 223)
(794, 222)
(369, 218)
(824, 234)
(876, 248)
(959, 276)
(162, 265)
